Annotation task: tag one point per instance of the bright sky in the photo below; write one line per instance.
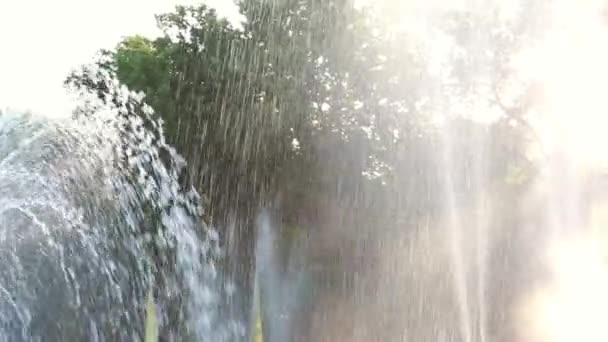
(42, 40)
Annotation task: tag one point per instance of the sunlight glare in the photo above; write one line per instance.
(573, 308)
(570, 64)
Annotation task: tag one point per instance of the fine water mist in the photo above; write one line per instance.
(484, 216)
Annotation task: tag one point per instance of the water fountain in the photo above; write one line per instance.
(93, 218)
(477, 237)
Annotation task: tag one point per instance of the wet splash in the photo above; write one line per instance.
(93, 217)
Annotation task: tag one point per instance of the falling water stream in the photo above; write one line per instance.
(93, 218)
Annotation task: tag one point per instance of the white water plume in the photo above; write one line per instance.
(93, 217)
